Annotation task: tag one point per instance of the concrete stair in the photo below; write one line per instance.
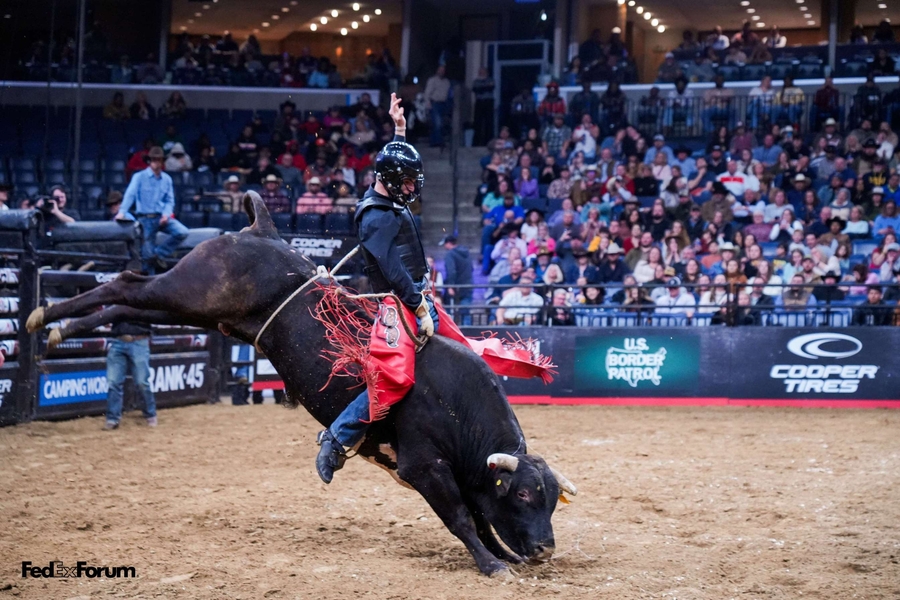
(437, 205)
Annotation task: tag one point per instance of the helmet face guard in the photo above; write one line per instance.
(396, 163)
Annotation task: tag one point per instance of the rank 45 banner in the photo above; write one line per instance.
(652, 365)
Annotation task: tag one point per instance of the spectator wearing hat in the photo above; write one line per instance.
(232, 196)
(659, 146)
(872, 311)
(613, 269)
(274, 197)
(877, 177)
(553, 104)
(582, 273)
(835, 235)
(676, 300)
(314, 200)
(152, 195)
(890, 262)
(828, 291)
(682, 159)
(829, 134)
(864, 162)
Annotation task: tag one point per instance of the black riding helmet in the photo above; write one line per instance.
(397, 162)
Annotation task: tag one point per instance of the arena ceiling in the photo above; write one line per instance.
(243, 17)
(730, 14)
(276, 19)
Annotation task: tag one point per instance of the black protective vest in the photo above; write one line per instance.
(408, 242)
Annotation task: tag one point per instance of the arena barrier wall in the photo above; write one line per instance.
(773, 366)
(690, 366)
(70, 380)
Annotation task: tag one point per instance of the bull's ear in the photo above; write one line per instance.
(502, 482)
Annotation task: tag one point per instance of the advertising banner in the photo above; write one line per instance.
(72, 385)
(322, 250)
(845, 364)
(8, 376)
(624, 365)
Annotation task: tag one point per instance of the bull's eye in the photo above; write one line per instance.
(523, 495)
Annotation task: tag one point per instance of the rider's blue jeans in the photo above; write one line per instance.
(349, 428)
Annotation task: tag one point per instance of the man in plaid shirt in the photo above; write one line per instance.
(557, 136)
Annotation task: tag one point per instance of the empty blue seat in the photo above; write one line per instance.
(337, 224)
(865, 248)
(284, 222)
(220, 220)
(535, 204)
(310, 224)
(239, 221)
(193, 219)
(753, 72)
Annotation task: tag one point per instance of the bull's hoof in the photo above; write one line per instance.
(55, 338)
(504, 574)
(35, 320)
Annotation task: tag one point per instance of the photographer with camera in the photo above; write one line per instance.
(53, 206)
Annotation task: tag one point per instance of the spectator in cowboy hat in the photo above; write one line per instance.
(232, 196)
(835, 235)
(113, 202)
(613, 269)
(274, 197)
(314, 200)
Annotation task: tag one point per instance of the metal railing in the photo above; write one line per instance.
(638, 305)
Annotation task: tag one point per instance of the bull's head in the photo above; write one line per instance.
(525, 493)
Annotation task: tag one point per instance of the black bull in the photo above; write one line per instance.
(455, 439)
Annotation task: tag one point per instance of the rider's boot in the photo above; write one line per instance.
(331, 456)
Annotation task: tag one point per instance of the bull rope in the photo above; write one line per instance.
(323, 273)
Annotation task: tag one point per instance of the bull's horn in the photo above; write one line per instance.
(564, 484)
(503, 461)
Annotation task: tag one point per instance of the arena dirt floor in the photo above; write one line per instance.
(223, 502)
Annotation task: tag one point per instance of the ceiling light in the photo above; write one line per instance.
(265, 23)
(654, 22)
(366, 18)
(313, 26)
(275, 17)
(621, 2)
(343, 31)
(646, 16)
(745, 2)
(334, 13)
(354, 25)
(755, 17)
(183, 28)
(285, 9)
(198, 14)
(323, 20)
(377, 11)
(800, 1)
(543, 15)
(810, 22)
(760, 24)
(661, 29)
(639, 10)
(882, 6)
(751, 10)
(206, 7)
(356, 6)
(631, 2)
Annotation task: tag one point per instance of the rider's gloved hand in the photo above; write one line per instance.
(424, 316)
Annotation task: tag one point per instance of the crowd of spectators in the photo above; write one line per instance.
(603, 214)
